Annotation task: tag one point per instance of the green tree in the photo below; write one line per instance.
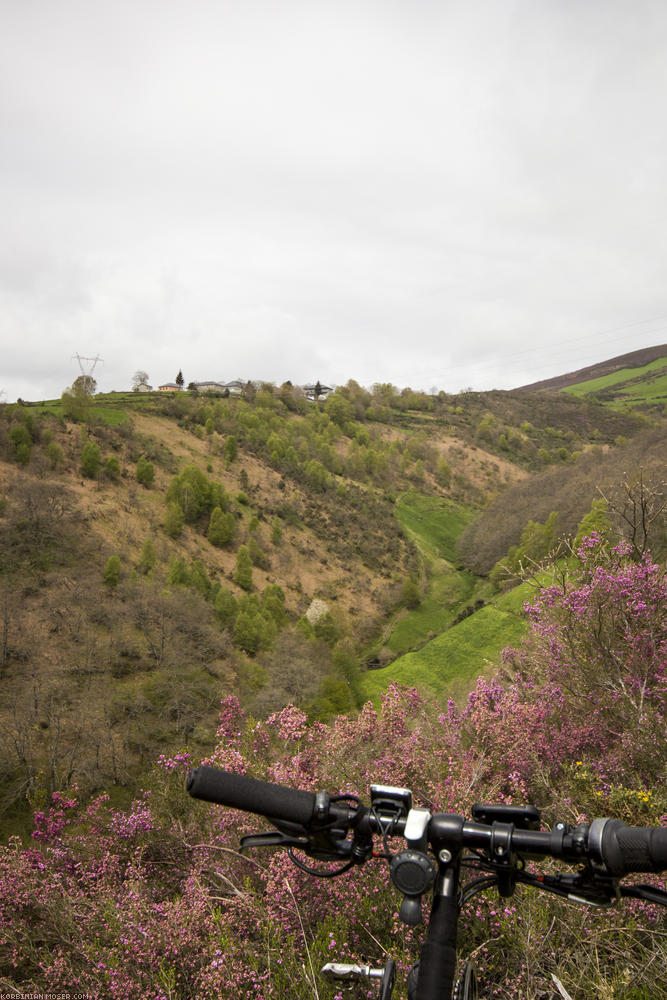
(75, 404)
(226, 607)
(145, 472)
(112, 571)
(90, 460)
(21, 442)
(317, 476)
(276, 531)
(273, 603)
(148, 556)
(85, 384)
(112, 468)
(537, 540)
(199, 578)
(248, 631)
(411, 596)
(177, 574)
(443, 473)
(230, 448)
(221, 527)
(596, 520)
(55, 455)
(258, 556)
(253, 630)
(243, 568)
(340, 409)
(193, 492)
(325, 628)
(174, 520)
(179, 379)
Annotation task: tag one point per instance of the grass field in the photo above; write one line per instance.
(448, 665)
(432, 654)
(653, 389)
(434, 522)
(439, 658)
(109, 409)
(448, 591)
(653, 384)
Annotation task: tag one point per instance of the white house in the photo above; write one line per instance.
(317, 391)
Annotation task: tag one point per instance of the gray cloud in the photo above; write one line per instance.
(429, 194)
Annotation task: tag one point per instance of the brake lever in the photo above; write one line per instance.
(579, 888)
(273, 838)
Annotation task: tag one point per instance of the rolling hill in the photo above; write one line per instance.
(636, 366)
(124, 521)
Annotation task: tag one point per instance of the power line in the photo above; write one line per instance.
(544, 361)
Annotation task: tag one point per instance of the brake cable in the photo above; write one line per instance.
(354, 820)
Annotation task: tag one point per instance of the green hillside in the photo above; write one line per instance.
(643, 385)
(434, 524)
(159, 552)
(449, 664)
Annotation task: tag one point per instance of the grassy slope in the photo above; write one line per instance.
(433, 523)
(449, 663)
(641, 384)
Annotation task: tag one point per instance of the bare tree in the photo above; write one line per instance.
(639, 509)
(85, 384)
(139, 379)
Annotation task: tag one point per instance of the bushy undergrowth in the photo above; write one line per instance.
(156, 902)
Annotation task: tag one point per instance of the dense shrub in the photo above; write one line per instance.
(145, 472)
(90, 460)
(221, 527)
(243, 569)
(174, 520)
(570, 490)
(112, 571)
(195, 494)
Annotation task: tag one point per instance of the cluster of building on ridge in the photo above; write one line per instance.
(237, 388)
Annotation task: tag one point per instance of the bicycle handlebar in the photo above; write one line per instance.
(624, 849)
(252, 795)
(608, 843)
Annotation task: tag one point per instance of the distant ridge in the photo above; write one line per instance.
(635, 359)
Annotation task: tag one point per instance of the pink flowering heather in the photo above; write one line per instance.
(156, 902)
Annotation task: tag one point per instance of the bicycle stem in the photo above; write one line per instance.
(437, 965)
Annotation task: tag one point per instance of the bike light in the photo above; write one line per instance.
(412, 872)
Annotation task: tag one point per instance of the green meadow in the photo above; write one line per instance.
(449, 664)
(433, 524)
(635, 385)
(432, 651)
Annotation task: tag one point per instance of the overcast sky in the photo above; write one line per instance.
(427, 192)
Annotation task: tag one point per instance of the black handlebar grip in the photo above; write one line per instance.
(251, 795)
(626, 849)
